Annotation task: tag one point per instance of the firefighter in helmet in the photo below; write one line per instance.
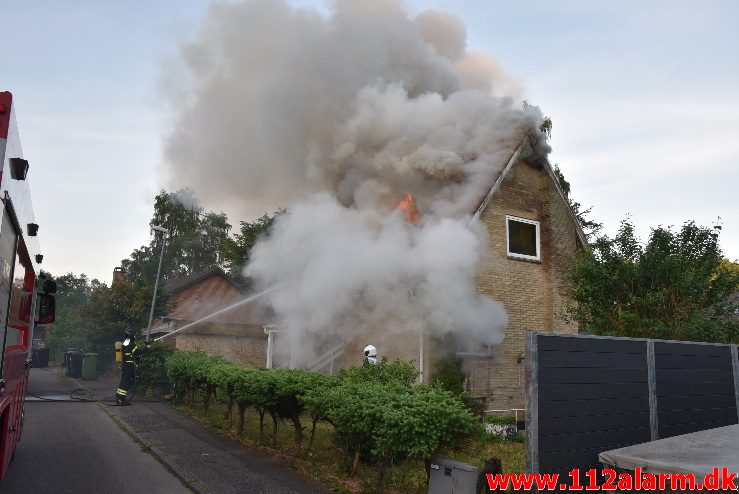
(128, 367)
(370, 355)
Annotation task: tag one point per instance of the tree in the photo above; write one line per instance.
(73, 294)
(93, 316)
(676, 286)
(196, 241)
(590, 227)
(238, 249)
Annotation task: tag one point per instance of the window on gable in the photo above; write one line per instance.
(523, 238)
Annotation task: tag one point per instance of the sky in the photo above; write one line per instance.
(644, 97)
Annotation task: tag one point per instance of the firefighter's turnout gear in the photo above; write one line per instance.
(370, 355)
(130, 353)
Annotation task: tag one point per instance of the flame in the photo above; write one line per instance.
(409, 209)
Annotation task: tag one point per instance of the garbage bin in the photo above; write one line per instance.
(40, 357)
(67, 352)
(74, 364)
(89, 366)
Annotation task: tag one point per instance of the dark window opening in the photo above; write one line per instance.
(523, 238)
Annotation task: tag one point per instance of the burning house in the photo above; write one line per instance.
(533, 234)
(422, 214)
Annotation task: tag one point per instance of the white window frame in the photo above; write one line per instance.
(515, 255)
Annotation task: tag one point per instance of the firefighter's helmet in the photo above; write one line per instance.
(370, 354)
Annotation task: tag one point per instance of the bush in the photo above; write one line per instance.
(384, 372)
(152, 367)
(379, 416)
(500, 419)
(385, 422)
(448, 374)
(188, 371)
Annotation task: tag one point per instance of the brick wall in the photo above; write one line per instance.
(393, 345)
(243, 344)
(236, 334)
(208, 296)
(532, 292)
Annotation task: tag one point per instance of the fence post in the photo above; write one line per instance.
(735, 366)
(652, 378)
(532, 402)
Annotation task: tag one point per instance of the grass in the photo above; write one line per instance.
(327, 464)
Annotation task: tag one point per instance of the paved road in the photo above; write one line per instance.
(208, 462)
(77, 448)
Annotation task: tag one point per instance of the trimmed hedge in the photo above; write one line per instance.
(379, 416)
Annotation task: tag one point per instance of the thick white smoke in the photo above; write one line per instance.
(360, 271)
(336, 118)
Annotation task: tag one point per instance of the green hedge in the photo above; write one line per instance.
(500, 419)
(377, 412)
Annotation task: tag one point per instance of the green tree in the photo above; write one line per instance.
(93, 316)
(590, 227)
(73, 294)
(196, 241)
(730, 266)
(676, 286)
(238, 248)
(109, 312)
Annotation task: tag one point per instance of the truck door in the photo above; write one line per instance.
(8, 243)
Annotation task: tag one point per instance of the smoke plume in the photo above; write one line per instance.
(337, 117)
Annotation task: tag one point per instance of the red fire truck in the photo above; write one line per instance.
(25, 293)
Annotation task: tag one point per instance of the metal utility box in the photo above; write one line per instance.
(452, 477)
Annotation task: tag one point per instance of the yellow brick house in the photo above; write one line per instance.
(533, 234)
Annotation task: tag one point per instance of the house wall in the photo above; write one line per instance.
(533, 292)
(396, 345)
(236, 334)
(208, 296)
(244, 344)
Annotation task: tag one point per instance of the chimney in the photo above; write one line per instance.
(118, 275)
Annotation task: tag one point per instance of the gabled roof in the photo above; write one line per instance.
(202, 295)
(515, 158)
(184, 282)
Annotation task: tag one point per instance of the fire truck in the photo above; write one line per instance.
(26, 299)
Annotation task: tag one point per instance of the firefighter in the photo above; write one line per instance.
(128, 367)
(370, 355)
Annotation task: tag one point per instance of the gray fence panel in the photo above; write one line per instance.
(695, 383)
(593, 395)
(588, 394)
